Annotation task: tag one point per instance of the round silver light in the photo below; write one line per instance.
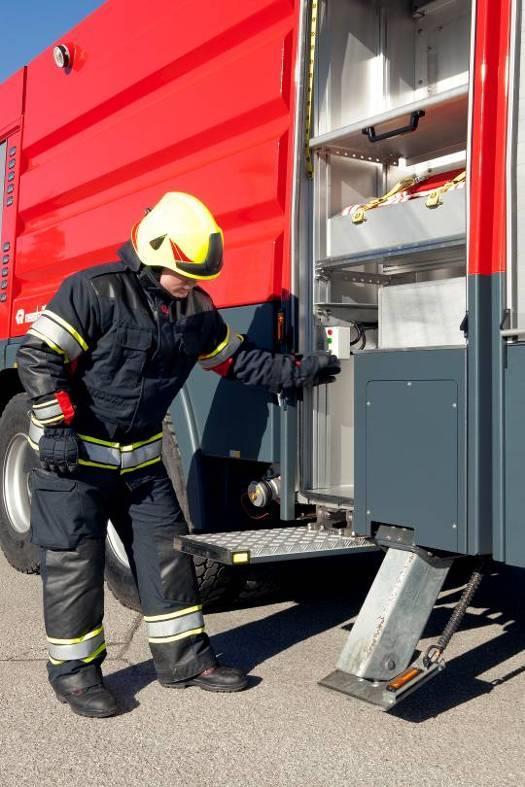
(62, 56)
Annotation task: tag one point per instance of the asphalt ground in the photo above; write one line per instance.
(464, 728)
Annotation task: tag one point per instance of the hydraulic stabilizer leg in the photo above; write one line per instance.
(374, 664)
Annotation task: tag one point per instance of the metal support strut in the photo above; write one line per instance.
(373, 665)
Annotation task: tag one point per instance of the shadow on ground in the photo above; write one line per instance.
(330, 594)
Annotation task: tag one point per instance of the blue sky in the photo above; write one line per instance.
(28, 26)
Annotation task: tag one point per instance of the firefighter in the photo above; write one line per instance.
(101, 365)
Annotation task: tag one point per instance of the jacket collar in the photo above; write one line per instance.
(145, 275)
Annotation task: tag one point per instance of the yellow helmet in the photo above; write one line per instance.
(181, 234)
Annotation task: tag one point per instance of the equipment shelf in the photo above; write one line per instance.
(441, 129)
(360, 312)
(437, 252)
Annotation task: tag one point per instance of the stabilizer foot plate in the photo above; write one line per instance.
(377, 692)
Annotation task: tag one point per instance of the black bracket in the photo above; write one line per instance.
(370, 131)
(505, 320)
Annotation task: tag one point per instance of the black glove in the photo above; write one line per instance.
(58, 449)
(289, 373)
(317, 369)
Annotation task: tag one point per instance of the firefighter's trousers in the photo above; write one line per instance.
(69, 518)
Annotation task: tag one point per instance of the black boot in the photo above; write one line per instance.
(218, 678)
(86, 694)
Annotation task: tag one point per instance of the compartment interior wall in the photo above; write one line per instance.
(379, 54)
(334, 434)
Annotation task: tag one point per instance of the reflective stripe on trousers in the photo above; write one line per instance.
(112, 456)
(175, 625)
(84, 648)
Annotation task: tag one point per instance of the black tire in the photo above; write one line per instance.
(217, 583)
(17, 459)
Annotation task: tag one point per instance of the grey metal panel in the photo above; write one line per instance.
(517, 201)
(8, 352)
(230, 419)
(391, 226)
(513, 546)
(485, 314)
(411, 458)
(410, 444)
(491, 532)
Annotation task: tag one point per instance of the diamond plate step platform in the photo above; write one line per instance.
(270, 545)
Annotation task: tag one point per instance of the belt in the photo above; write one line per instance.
(110, 456)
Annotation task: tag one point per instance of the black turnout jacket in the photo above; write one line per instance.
(118, 347)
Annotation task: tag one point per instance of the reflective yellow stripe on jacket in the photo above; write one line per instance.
(223, 351)
(59, 335)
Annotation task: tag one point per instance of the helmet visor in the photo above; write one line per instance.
(209, 266)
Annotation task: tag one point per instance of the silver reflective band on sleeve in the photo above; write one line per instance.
(225, 350)
(82, 648)
(59, 334)
(180, 623)
(36, 431)
(48, 412)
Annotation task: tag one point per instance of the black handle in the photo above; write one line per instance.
(370, 131)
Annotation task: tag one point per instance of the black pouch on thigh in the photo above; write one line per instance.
(64, 511)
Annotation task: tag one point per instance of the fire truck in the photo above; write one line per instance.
(366, 160)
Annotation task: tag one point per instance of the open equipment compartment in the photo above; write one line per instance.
(389, 202)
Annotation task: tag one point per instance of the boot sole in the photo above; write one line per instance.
(186, 684)
(104, 715)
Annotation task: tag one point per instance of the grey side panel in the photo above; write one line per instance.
(492, 532)
(225, 418)
(484, 408)
(511, 544)
(8, 351)
(410, 444)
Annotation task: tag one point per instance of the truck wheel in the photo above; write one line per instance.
(217, 582)
(17, 460)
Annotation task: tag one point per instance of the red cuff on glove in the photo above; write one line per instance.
(66, 405)
(223, 368)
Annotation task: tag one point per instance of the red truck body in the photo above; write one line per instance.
(153, 102)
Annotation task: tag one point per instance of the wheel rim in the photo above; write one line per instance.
(117, 547)
(19, 460)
